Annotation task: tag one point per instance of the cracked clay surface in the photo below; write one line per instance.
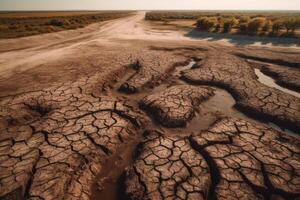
(234, 159)
(176, 105)
(235, 75)
(127, 128)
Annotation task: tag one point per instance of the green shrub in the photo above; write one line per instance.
(229, 23)
(207, 23)
(296, 25)
(218, 27)
(277, 26)
(267, 26)
(256, 24)
(59, 22)
(244, 19)
(291, 24)
(243, 27)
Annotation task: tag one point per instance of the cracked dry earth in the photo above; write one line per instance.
(176, 105)
(232, 160)
(235, 75)
(53, 142)
(115, 135)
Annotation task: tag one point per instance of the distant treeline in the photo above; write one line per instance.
(37, 23)
(247, 23)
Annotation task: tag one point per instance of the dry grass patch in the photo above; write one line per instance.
(22, 24)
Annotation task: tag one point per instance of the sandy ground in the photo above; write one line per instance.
(17, 54)
(50, 51)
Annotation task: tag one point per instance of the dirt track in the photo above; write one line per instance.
(122, 110)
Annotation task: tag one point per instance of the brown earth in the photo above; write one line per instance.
(234, 159)
(284, 75)
(175, 106)
(85, 114)
(255, 98)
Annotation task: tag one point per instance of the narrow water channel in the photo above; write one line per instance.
(178, 70)
(268, 81)
(223, 102)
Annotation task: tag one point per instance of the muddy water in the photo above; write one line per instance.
(178, 70)
(219, 105)
(222, 103)
(267, 80)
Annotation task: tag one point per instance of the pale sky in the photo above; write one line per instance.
(149, 4)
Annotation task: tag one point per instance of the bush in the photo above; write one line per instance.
(277, 26)
(291, 24)
(243, 27)
(207, 23)
(218, 27)
(58, 22)
(244, 19)
(255, 24)
(267, 26)
(296, 25)
(229, 23)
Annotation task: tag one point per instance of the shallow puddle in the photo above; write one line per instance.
(179, 69)
(267, 80)
(223, 103)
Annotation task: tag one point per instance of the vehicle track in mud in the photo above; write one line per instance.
(156, 128)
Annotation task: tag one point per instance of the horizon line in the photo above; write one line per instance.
(72, 10)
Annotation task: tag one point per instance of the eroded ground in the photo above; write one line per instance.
(135, 119)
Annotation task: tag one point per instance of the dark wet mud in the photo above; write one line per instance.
(107, 184)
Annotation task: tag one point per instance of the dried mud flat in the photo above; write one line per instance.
(153, 120)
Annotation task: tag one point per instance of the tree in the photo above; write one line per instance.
(291, 24)
(255, 24)
(244, 19)
(277, 25)
(287, 24)
(243, 27)
(267, 26)
(229, 23)
(296, 25)
(206, 23)
(218, 27)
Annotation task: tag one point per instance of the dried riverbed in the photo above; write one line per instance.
(102, 115)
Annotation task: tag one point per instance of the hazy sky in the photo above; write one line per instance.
(149, 4)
